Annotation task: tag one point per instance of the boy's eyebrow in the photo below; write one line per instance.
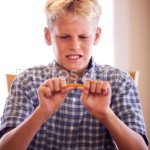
(68, 35)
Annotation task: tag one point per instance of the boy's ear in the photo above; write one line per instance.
(47, 36)
(97, 35)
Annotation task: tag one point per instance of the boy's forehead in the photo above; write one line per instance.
(71, 20)
(66, 24)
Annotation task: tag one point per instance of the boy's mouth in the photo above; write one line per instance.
(73, 57)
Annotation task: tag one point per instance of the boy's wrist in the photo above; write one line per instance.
(107, 117)
(41, 115)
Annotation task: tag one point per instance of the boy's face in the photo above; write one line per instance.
(72, 42)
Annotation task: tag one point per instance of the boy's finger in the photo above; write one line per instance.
(93, 86)
(86, 86)
(56, 84)
(63, 84)
(105, 88)
(99, 86)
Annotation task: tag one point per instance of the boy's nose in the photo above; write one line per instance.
(74, 44)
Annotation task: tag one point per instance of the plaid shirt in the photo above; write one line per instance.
(72, 127)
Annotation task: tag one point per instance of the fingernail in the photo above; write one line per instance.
(86, 91)
(105, 91)
(63, 90)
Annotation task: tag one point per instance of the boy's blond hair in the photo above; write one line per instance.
(83, 9)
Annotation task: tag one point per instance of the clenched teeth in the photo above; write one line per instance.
(73, 56)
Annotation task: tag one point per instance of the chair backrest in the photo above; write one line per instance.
(9, 80)
(10, 77)
(135, 75)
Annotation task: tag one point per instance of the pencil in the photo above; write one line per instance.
(75, 85)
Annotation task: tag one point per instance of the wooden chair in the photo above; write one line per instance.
(135, 75)
(10, 77)
(9, 80)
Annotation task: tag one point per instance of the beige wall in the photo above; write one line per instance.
(132, 45)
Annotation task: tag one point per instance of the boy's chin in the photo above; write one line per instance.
(74, 69)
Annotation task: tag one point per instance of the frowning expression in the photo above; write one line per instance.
(72, 42)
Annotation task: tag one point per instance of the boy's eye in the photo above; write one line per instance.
(83, 37)
(64, 37)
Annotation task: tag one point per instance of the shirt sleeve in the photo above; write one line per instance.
(19, 104)
(126, 104)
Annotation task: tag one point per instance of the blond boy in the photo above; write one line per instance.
(46, 109)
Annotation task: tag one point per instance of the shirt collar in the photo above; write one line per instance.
(88, 73)
(91, 71)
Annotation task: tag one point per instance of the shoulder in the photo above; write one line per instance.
(109, 73)
(117, 77)
(35, 72)
(33, 76)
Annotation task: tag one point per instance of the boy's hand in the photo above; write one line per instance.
(96, 97)
(51, 95)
